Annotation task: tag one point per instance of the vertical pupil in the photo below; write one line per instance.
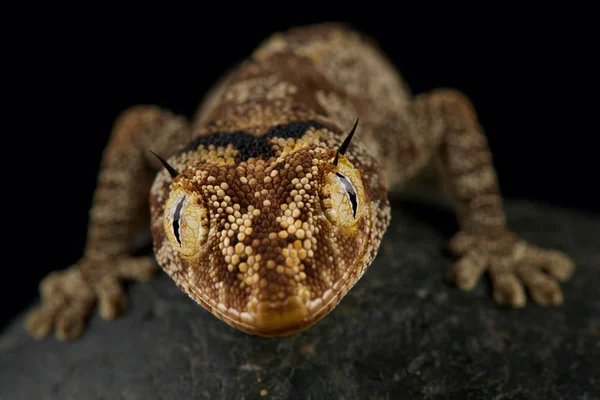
(350, 190)
(176, 218)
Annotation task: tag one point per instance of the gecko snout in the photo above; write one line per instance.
(296, 308)
(280, 318)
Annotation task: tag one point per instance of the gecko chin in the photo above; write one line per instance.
(270, 246)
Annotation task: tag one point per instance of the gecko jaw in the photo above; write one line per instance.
(281, 318)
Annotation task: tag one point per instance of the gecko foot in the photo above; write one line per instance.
(511, 263)
(68, 296)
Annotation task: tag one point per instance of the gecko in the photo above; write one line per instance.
(269, 203)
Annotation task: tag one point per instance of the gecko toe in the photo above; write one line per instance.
(555, 262)
(112, 298)
(39, 321)
(559, 265)
(70, 323)
(543, 289)
(467, 271)
(508, 291)
(460, 243)
(550, 295)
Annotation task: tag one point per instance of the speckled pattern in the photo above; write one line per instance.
(401, 333)
(265, 221)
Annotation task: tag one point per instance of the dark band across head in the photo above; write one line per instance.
(345, 144)
(172, 171)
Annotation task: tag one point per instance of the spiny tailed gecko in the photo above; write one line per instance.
(270, 204)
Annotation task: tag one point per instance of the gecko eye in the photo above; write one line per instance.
(343, 196)
(185, 222)
(350, 191)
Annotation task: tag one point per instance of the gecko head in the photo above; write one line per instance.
(268, 240)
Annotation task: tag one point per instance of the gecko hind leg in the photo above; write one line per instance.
(483, 243)
(119, 206)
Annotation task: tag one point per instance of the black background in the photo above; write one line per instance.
(71, 72)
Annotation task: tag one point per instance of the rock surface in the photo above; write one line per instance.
(401, 333)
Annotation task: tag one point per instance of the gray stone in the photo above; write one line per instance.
(401, 333)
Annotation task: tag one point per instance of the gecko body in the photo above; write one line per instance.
(271, 203)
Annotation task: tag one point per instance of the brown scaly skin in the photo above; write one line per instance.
(268, 238)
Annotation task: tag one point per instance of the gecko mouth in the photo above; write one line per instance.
(281, 318)
(294, 314)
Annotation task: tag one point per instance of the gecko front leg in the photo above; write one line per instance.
(120, 204)
(484, 241)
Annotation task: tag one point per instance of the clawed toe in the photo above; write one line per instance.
(559, 265)
(555, 262)
(460, 243)
(543, 289)
(547, 296)
(70, 324)
(39, 322)
(111, 296)
(508, 291)
(465, 273)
